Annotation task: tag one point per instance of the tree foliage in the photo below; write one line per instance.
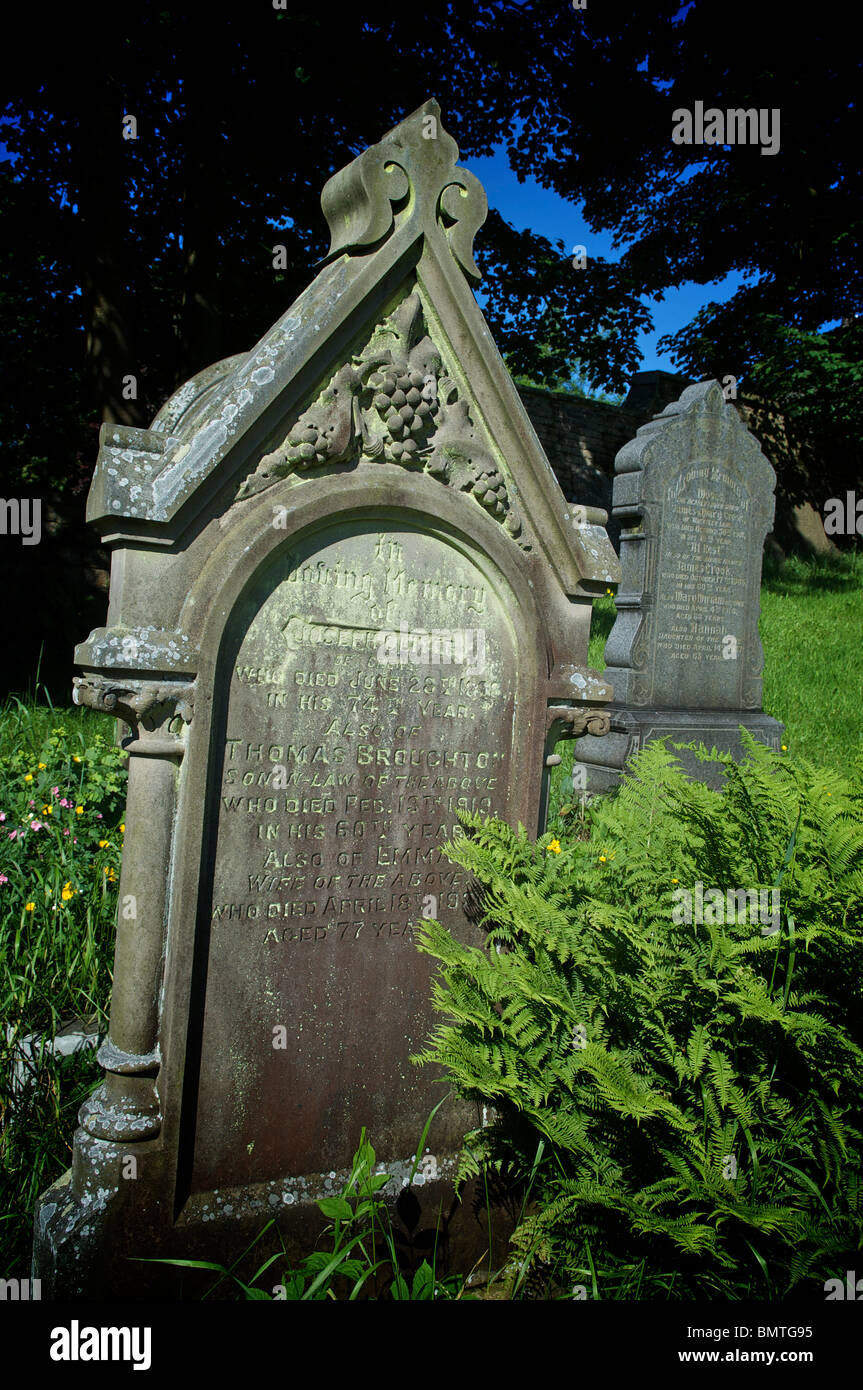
(790, 221)
(154, 257)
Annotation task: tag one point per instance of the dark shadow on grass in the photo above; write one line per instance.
(840, 573)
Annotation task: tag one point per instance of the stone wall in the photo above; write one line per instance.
(582, 437)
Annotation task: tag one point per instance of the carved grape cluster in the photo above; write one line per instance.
(407, 403)
(489, 488)
(325, 432)
(306, 445)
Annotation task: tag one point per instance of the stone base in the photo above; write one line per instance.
(76, 1217)
(98, 1227)
(599, 761)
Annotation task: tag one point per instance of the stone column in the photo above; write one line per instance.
(126, 1105)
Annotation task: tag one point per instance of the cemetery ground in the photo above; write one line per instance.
(62, 788)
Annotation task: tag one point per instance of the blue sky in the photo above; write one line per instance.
(530, 205)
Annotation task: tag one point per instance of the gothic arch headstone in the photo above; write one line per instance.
(348, 599)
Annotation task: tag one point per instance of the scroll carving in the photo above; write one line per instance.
(568, 721)
(365, 201)
(135, 702)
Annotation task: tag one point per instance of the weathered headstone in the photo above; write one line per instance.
(348, 599)
(694, 496)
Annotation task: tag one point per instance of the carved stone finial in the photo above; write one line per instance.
(412, 170)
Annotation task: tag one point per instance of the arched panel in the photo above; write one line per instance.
(369, 682)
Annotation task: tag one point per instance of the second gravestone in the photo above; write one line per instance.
(347, 600)
(694, 496)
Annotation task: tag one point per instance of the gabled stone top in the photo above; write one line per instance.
(700, 423)
(386, 357)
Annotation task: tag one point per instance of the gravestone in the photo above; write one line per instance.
(694, 496)
(348, 600)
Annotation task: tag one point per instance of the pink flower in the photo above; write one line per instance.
(13, 834)
(64, 802)
(65, 832)
(2, 815)
(3, 878)
(98, 815)
(31, 803)
(55, 791)
(35, 825)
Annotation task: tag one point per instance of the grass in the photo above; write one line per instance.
(56, 957)
(812, 634)
(62, 789)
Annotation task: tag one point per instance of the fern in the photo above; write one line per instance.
(698, 1085)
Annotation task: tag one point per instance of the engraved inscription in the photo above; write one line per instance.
(341, 775)
(701, 595)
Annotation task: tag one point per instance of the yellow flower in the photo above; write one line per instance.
(109, 874)
(554, 846)
(29, 777)
(47, 810)
(103, 844)
(42, 767)
(75, 758)
(785, 748)
(123, 829)
(68, 892)
(602, 859)
(29, 907)
(675, 880)
(79, 810)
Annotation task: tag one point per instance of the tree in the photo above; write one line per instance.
(170, 163)
(164, 243)
(789, 221)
